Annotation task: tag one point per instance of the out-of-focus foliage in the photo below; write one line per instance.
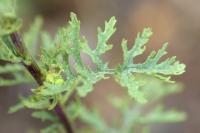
(17, 75)
(7, 52)
(8, 20)
(60, 80)
(134, 117)
(31, 37)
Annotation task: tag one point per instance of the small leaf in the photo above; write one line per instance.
(32, 35)
(102, 46)
(15, 108)
(138, 48)
(9, 24)
(134, 87)
(17, 73)
(44, 116)
(54, 128)
(36, 102)
(93, 119)
(158, 115)
(87, 78)
(8, 7)
(103, 36)
(11, 68)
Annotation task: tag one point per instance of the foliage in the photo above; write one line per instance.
(8, 19)
(60, 79)
(18, 75)
(133, 117)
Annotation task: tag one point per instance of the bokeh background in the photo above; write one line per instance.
(174, 21)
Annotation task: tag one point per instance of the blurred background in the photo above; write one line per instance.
(173, 21)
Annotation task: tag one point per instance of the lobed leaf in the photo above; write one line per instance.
(102, 46)
(162, 70)
(138, 47)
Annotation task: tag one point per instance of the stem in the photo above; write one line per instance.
(37, 74)
(59, 111)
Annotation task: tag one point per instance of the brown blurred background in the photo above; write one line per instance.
(175, 21)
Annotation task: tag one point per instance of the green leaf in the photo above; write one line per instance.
(16, 108)
(121, 103)
(44, 116)
(70, 42)
(73, 40)
(93, 119)
(87, 78)
(85, 88)
(138, 47)
(8, 20)
(8, 7)
(167, 67)
(54, 128)
(53, 85)
(32, 35)
(162, 70)
(103, 36)
(151, 66)
(17, 73)
(7, 51)
(9, 24)
(11, 82)
(36, 102)
(102, 46)
(133, 85)
(51, 89)
(11, 68)
(156, 89)
(47, 41)
(158, 115)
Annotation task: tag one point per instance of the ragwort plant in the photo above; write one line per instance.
(146, 83)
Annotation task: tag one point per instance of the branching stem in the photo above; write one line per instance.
(37, 74)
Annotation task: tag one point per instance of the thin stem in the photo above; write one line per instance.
(63, 118)
(37, 74)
